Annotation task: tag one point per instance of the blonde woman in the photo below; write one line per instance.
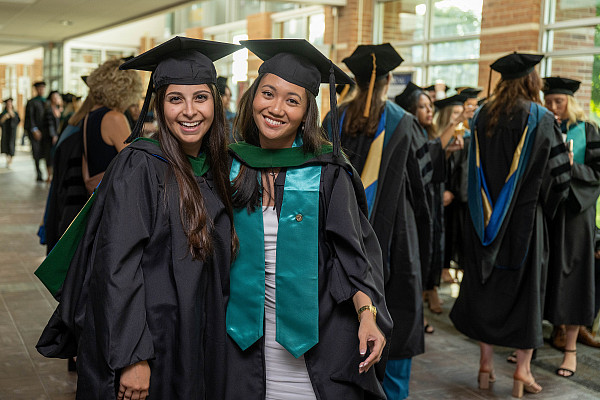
(106, 126)
(570, 292)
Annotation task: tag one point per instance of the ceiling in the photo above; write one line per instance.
(26, 24)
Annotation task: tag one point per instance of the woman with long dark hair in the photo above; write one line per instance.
(385, 145)
(518, 175)
(143, 302)
(570, 292)
(306, 304)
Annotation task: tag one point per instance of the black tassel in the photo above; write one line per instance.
(139, 124)
(335, 130)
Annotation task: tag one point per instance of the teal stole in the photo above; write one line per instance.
(53, 270)
(488, 217)
(297, 275)
(576, 133)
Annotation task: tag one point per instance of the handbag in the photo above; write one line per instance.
(91, 182)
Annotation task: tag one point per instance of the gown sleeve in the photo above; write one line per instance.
(585, 178)
(557, 175)
(117, 294)
(356, 262)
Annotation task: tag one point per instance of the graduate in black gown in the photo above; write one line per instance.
(456, 184)
(386, 146)
(321, 312)
(143, 302)
(570, 291)
(518, 175)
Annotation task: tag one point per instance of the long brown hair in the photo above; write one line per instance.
(192, 210)
(512, 94)
(354, 121)
(245, 187)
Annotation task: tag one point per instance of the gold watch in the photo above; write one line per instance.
(370, 307)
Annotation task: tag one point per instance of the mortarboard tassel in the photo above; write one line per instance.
(344, 92)
(489, 83)
(371, 86)
(139, 124)
(334, 112)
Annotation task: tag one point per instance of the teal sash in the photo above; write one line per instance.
(297, 307)
(577, 134)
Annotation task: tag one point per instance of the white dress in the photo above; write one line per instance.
(287, 377)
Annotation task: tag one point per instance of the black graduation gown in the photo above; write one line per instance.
(455, 212)
(134, 293)
(502, 292)
(570, 291)
(401, 220)
(9, 133)
(349, 260)
(67, 191)
(34, 117)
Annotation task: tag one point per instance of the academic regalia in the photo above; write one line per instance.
(506, 258)
(455, 213)
(571, 289)
(132, 291)
(169, 308)
(67, 194)
(8, 129)
(401, 220)
(349, 259)
(319, 199)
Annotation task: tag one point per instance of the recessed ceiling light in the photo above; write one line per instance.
(66, 22)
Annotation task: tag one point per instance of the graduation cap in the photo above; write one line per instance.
(299, 62)
(178, 61)
(221, 84)
(431, 88)
(403, 98)
(84, 79)
(343, 90)
(469, 92)
(558, 85)
(369, 62)
(7, 100)
(516, 65)
(456, 100)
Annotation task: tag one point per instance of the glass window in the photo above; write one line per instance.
(456, 17)
(455, 75)
(403, 20)
(316, 28)
(584, 37)
(463, 49)
(411, 54)
(585, 68)
(294, 28)
(564, 10)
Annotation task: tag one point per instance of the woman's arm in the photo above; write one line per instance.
(115, 129)
(369, 334)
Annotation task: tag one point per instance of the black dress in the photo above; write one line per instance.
(9, 133)
(134, 293)
(570, 291)
(349, 260)
(401, 220)
(502, 292)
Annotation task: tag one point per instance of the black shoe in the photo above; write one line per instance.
(39, 179)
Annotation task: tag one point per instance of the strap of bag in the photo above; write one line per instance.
(85, 164)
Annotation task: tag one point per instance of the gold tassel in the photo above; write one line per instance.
(345, 91)
(371, 86)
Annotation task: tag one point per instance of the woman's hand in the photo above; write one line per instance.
(369, 336)
(135, 382)
(457, 144)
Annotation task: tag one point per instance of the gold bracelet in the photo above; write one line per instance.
(370, 307)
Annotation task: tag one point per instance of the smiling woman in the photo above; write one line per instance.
(145, 315)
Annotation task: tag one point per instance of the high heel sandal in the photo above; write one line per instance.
(566, 373)
(519, 387)
(485, 378)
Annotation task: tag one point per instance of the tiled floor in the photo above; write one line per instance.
(446, 371)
